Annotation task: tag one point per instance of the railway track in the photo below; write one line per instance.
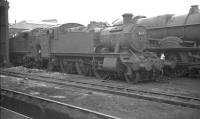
(44, 107)
(9, 114)
(185, 101)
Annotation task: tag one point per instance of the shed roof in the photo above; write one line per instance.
(29, 25)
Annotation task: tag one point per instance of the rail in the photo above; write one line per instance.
(71, 111)
(174, 99)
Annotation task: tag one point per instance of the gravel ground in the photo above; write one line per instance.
(181, 86)
(123, 107)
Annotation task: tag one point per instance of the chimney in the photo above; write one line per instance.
(194, 9)
(127, 18)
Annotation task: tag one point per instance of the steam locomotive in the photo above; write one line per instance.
(114, 52)
(133, 49)
(174, 37)
(178, 38)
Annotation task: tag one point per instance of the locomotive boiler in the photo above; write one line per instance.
(177, 37)
(128, 35)
(185, 27)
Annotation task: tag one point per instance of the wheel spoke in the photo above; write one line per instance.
(62, 65)
(176, 72)
(69, 68)
(145, 75)
(132, 77)
(103, 74)
(78, 68)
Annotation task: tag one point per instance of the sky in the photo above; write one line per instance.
(84, 11)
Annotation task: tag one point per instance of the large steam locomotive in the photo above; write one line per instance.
(174, 37)
(133, 49)
(178, 38)
(110, 53)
